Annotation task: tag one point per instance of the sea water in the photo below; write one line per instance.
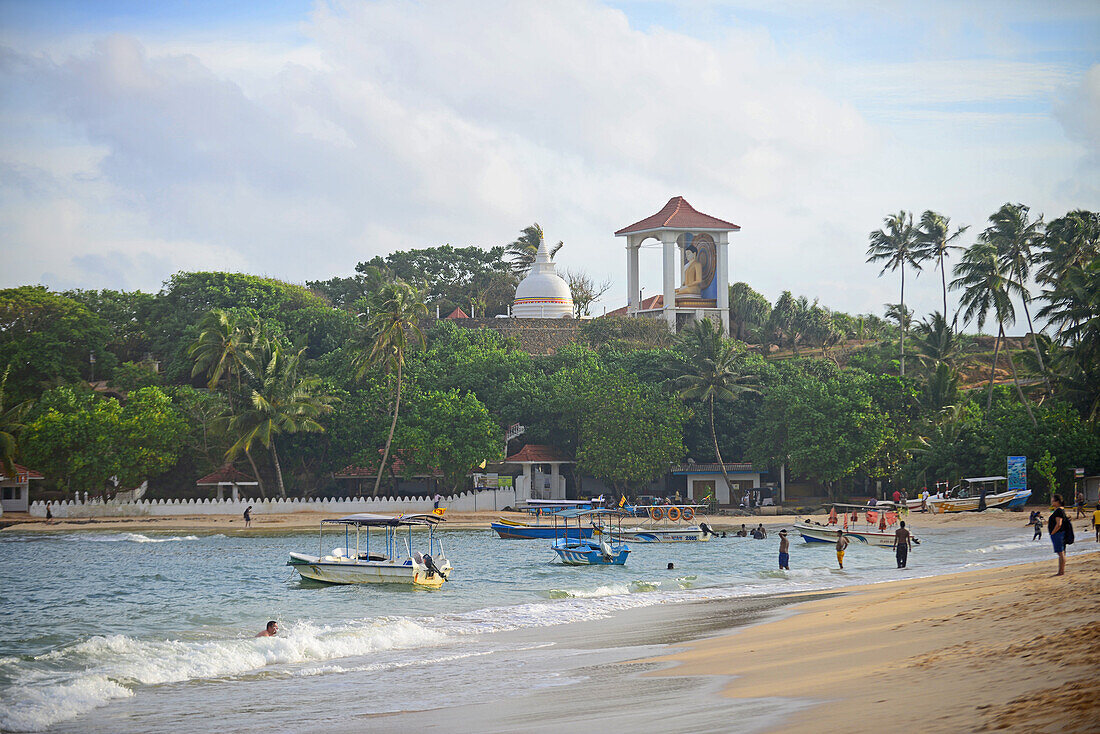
(155, 631)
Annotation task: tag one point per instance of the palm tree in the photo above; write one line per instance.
(521, 251)
(710, 372)
(936, 341)
(935, 242)
(282, 403)
(1073, 308)
(383, 341)
(219, 350)
(987, 287)
(895, 244)
(1014, 235)
(11, 422)
(1069, 243)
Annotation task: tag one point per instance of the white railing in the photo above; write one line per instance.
(484, 500)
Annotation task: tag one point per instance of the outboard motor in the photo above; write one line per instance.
(433, 570)
(707, 530)
(606, 550)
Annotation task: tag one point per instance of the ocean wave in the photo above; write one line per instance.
(133, 538)
(106, 668)
(1003, 547)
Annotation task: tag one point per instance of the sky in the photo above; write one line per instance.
(295, 139)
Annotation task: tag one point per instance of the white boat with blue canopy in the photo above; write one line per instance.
(390, 559)
(607, 550)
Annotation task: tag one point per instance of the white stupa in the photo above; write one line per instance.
(543, 293)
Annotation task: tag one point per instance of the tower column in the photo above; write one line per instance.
(668, 240)
(632, 301)
(722, 275)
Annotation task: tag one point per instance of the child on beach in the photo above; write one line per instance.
(1036, 521)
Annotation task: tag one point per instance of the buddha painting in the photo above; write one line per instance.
(693, 274)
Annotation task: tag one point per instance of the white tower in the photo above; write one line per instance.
(543, 293)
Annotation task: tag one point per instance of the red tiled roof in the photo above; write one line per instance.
(458, 313)
(20, 469)
(657, 301)
(537, 453)
(397, 466)
(227, 474)
(678, 214)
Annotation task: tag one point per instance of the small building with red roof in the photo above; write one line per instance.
(695, 254)
(15, 489)
(541, 478)
(228, 476)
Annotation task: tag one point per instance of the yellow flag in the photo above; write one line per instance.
(622, 501)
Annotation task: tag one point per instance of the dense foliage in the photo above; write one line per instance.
(294, 383)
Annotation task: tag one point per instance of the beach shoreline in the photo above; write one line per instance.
(1011, 648)
(292, 522)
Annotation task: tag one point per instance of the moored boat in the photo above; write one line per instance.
(665, 524)
(607, 550)
(391, 561)
(869, 532)
(518, 530)
(979, 493)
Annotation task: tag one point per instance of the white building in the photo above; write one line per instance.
(543, 294)
(15, 491)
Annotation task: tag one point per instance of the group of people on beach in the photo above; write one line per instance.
(903, 543)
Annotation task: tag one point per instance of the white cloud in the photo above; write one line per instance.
(397, 125)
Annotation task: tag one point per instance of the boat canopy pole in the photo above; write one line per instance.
(320, 529)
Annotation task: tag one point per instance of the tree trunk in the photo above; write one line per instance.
(901, 321)
(1038, 354)
(278, 469)
(943, 278)
(393, 426)
(993, 367)
(256, 473)
(1019, 392)
(718, 455)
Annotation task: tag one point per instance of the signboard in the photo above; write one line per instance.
(1079, 472)
(1017, 473)
(492, 481)
(505, 481)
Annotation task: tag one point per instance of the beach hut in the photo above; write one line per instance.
(227, 476)
(15, 490)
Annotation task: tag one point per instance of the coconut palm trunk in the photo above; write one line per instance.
(1035, 344)
(256, 473)
(717, 452)
(1019, 391)
(993, 367)
(393, 426)
(943, 278)
(902, 324)
(278, 470)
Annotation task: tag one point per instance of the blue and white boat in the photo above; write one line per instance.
(518, 530)
(605, 551)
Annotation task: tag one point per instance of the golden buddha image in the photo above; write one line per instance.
(693, 274)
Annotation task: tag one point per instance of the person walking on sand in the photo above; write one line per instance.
(271, 630)
(49, 515)
(1096, 521)
(1056, 530)
(841, 544)
(784, 548)
(436, 500)
(903, 542)
(1080, 501)
(248, 516)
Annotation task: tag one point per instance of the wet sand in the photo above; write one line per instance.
(1008, 649)
(460, 520)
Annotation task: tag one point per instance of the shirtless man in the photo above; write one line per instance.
(271, 630)
(784, 555)
(841, 545)
(903, 543)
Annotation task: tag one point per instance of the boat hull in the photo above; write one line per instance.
(970, 504)
(826, 534)
(663, 535)
(332, 570)
(581, 553)
(520, 531)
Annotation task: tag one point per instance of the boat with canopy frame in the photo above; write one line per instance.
(975, 494)
(518, 530)
(666, 524)
(391, 560)
(877, 529)
(608, 550)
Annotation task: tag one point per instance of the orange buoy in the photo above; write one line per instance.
(656, 513)
(674, 513)
(689, 514)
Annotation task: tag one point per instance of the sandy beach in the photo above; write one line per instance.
(459, 521)
(1008, 649)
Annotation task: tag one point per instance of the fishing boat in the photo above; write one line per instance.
(391, 560)
(666, 524)
(858, 523)
(969, 496)
(607, 550)
(519, 530)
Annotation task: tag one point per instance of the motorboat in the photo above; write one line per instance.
(518, 530)
(666, 524)
(868, 524)
(979, 493)
(606, 550)
(389, 559)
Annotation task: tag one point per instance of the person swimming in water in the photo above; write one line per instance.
(271, 630)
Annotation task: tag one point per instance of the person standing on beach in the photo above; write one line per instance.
(903, 542)
(1056, 531)
(1096, 521)
(841, 544)
(248, 516)
(436, 500)
(1080, 506)
(49, 515)
(1037, 521)
(784, 555)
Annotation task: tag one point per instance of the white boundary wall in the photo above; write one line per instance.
(485, 500)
